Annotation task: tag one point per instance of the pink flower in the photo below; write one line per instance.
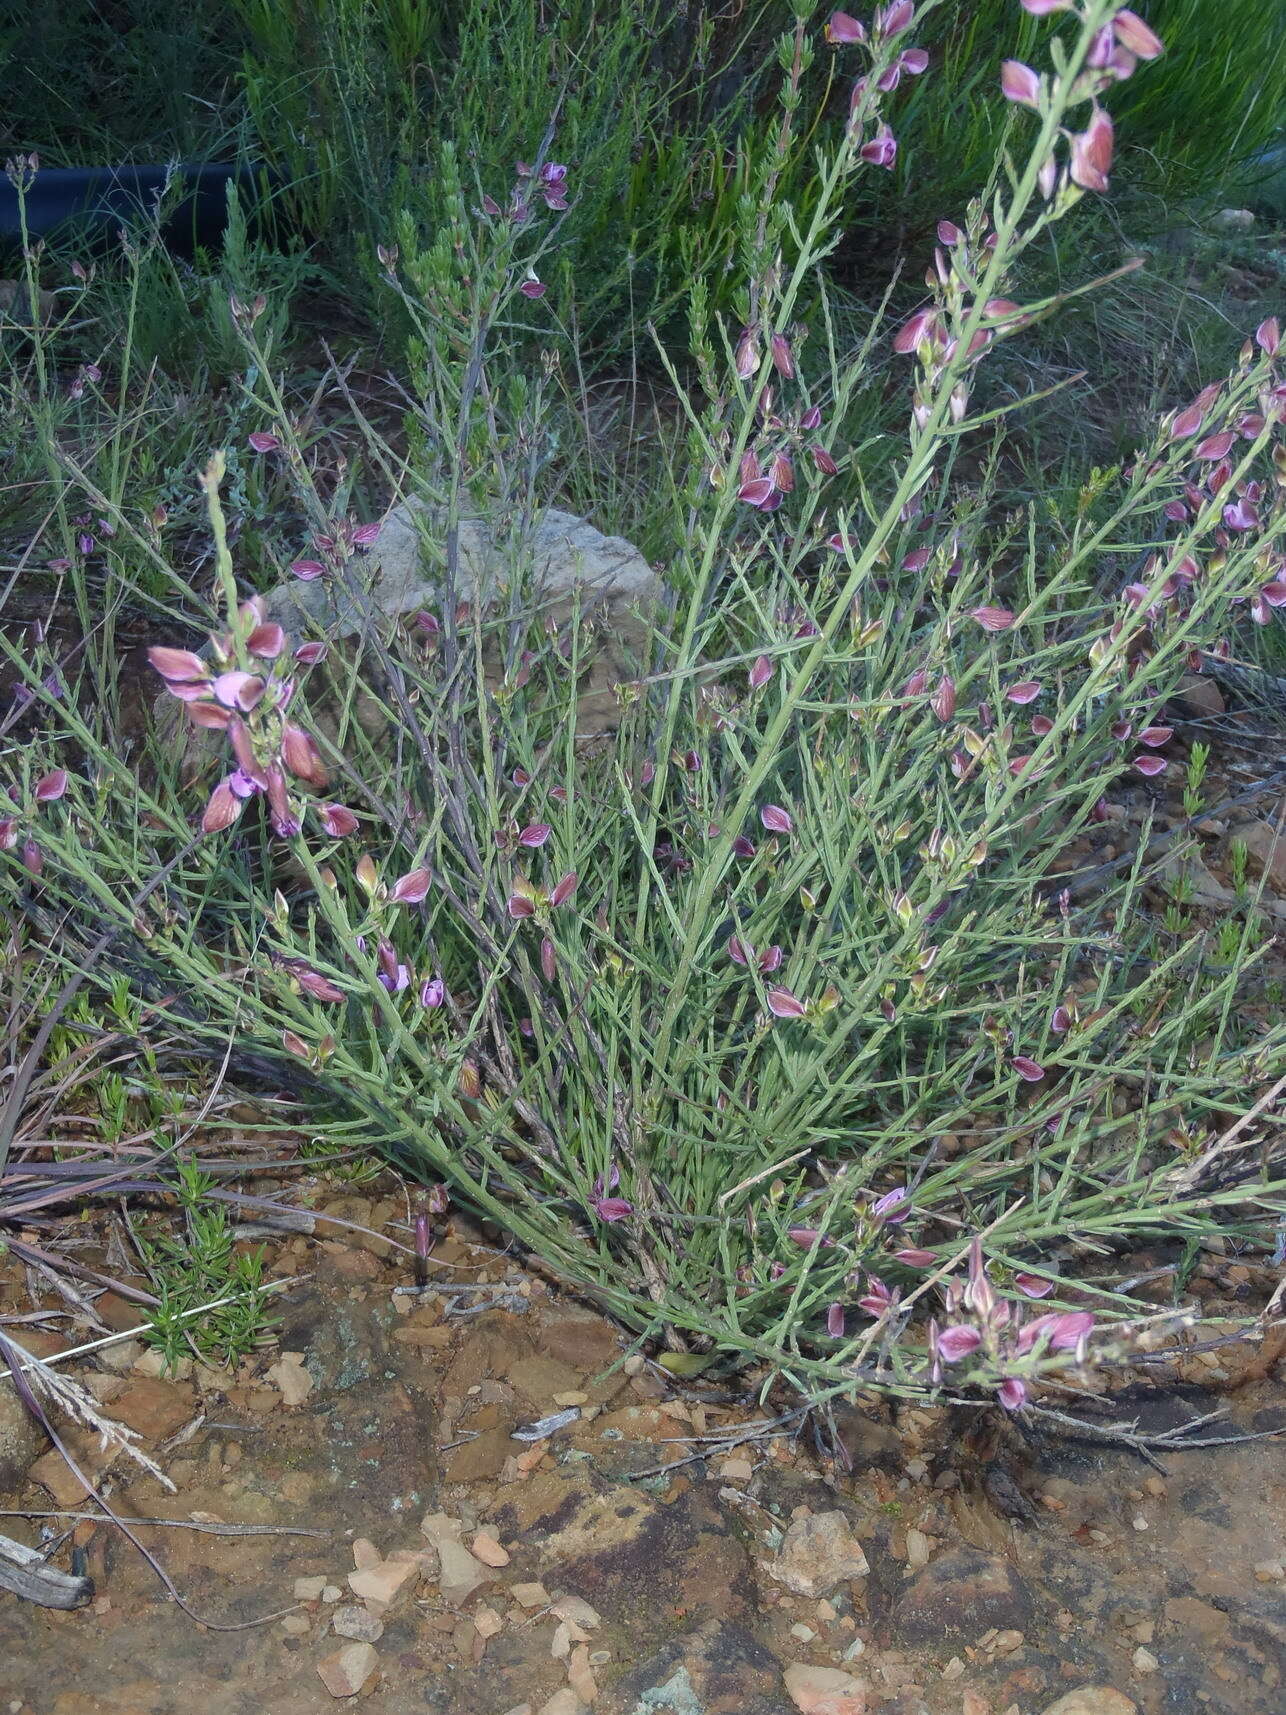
(1092, 152)
(782, 357)
(263, 442)
(783, 1004)
(923, 325)
(51, 786)
(1012, 1393)
(533, 288)
(1029, 1070)
(761, 673)
(1136, 36)
(1026, 692)
(237, 690)
(307, 570)
(1268, 336)
(958, 1341)
(337, 820)
(882, 150)
(365, 535)
(222, 810)
(841, 30)
(913, 1258)
(1215, 447)
(548, 959)
(564, 890)
(1033, 1285)
(943, 700)
(606, 1207)
(179, 666)
(807, 1237)
(535, 834)
(1150, 766)
(309, 654)
(519, 905)
(1060, 1020)
(761, 493)
(266, 641)
(1019, 83)
(1062, 1331)
(411, 888)
(894, 18)
(301, 756)
(775, 819)
(737, 951)
(823, 460)
(993, 618)
(835, 1321)
(877, 1299)
(318, 986)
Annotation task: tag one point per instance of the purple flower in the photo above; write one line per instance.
(1013, 1393)
(783, 1004)
(957, 1341)
(432, 992)
(775, 819)
(892, 1208)
(606, 1207)
(1033, 1285)
(263, 442)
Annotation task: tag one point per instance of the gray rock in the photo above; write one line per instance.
(563, 563)
(22, 1440)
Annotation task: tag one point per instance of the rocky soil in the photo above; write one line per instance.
(376, 1501)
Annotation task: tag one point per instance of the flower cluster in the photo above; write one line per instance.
(992, 1331)
(245, 690)
(47, 790)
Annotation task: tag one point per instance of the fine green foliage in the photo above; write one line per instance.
(759, 1016)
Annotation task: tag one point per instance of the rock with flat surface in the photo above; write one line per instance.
(1093, 1700)
(346, 1671)
(960, 1594)
(562, 564)
(818, 1553)
(825, 1690)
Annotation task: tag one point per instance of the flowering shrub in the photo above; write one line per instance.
(773, 1022)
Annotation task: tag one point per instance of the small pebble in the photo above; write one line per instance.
(804, 1633)
(309, 1589)
(331, 1593)
(1145, 1661)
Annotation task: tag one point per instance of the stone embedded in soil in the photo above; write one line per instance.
(346, 1671)
(825, 1690)
(960, 1594)
(21, 1439)
(479, 1460)
(459, 1574)
(1093, 1700)
(486, 1549)
(353, 1621)
(291, 1378)
(57, 1478)
(384, 1582)
(154, 1408)
(310, 1589)
(720, 1669)
(563, 1702)
(818, 1553)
